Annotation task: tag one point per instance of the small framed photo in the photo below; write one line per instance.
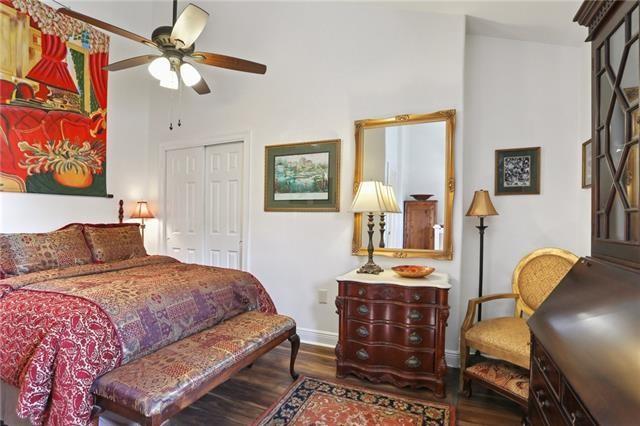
(303, 177)
(586, 164)
(517, 171)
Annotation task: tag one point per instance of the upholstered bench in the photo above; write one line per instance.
(153, 388)
(503, 378)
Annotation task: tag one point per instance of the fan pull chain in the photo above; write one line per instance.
(171, 114)
(180, 88)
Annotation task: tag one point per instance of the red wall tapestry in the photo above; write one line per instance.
(53, 102)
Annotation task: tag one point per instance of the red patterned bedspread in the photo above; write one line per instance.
(61, 329)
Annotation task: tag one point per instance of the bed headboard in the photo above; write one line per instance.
(120, 211)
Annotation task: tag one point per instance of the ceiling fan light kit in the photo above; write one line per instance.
(176, 43)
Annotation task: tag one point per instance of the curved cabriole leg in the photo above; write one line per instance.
(295, 345)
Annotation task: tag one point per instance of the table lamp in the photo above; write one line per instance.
(142, 212)
(369, 199)
(391, 206)
(481, 206)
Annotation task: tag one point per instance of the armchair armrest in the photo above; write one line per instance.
(473, 306)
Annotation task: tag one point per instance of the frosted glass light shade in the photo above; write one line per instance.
(389, 198)
(368, 198)
(159, 68)
(189, 74)
(170, 81)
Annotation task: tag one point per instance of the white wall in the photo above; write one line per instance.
(520, 94)
(328, 65)
(127, 127)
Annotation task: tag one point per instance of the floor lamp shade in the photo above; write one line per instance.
(481, 205)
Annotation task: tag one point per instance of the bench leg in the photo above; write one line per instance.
(295, 345)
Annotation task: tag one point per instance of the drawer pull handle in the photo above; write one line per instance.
(541, 398)
(542, 364)
(362, 332)
(574, 416)
(412, 362)
(363, 309)
(415, 315)
(415, 339)
(362, 354)
(416, 297)
(362, 292)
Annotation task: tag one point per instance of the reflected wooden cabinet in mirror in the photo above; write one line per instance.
(613, 32)
(413, 155)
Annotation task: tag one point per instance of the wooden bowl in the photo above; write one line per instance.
(422, 197)
(413, 271)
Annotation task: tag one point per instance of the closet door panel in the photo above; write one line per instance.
(184, 204)
(223, 205)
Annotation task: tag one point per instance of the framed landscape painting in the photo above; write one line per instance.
(517, 171)
(303, 176)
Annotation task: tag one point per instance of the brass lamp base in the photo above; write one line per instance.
(370, 268)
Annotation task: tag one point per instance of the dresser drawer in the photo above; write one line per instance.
(547, 367)
(384, 311)
(543, 398)
(393, 293)
(389, 356)
(410, 337)
(573, 409)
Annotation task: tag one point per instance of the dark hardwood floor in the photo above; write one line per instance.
(250, 392)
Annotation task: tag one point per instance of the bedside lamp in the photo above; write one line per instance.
(142, 212)
(391, 206)
(369, 199)
(481, 206)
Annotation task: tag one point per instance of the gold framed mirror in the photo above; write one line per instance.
(414, 155)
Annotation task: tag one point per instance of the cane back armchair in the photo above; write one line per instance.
(508, 338)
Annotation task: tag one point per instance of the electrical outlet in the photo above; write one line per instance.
(322, 296)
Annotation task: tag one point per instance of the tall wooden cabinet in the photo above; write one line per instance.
(419, 218)
(613, 32)
(585, 342)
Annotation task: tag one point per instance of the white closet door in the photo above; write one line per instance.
(184, 224)
(223, 205)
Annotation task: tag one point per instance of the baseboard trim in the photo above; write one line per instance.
(329, 339)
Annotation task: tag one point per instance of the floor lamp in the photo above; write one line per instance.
(481, 206)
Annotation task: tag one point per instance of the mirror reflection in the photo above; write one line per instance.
(411, 159)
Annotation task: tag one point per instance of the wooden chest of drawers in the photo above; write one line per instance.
(393, 330)
(552, 401)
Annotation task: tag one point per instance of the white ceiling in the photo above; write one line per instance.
(545, 21)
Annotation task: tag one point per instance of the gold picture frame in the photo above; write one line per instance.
(447, 116)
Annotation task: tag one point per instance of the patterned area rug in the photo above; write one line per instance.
(318, 402)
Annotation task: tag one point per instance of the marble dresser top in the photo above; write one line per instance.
(436, 279)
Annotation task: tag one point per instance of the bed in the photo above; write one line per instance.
(100, 307)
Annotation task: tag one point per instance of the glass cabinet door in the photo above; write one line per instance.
(616, 129)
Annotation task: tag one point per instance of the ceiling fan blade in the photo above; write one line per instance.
(105, 26)
(229, 62)
(131, 62)
(201, 87)
(189, 26)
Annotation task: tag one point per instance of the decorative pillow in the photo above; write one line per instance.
(109, 243)
(24, 253)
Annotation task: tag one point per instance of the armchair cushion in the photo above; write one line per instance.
(507, 338)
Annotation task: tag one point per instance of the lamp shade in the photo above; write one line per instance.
(481, 205)
(389, 198)
(369, 198)
(142, 211)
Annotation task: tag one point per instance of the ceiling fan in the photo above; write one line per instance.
(176, 44)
